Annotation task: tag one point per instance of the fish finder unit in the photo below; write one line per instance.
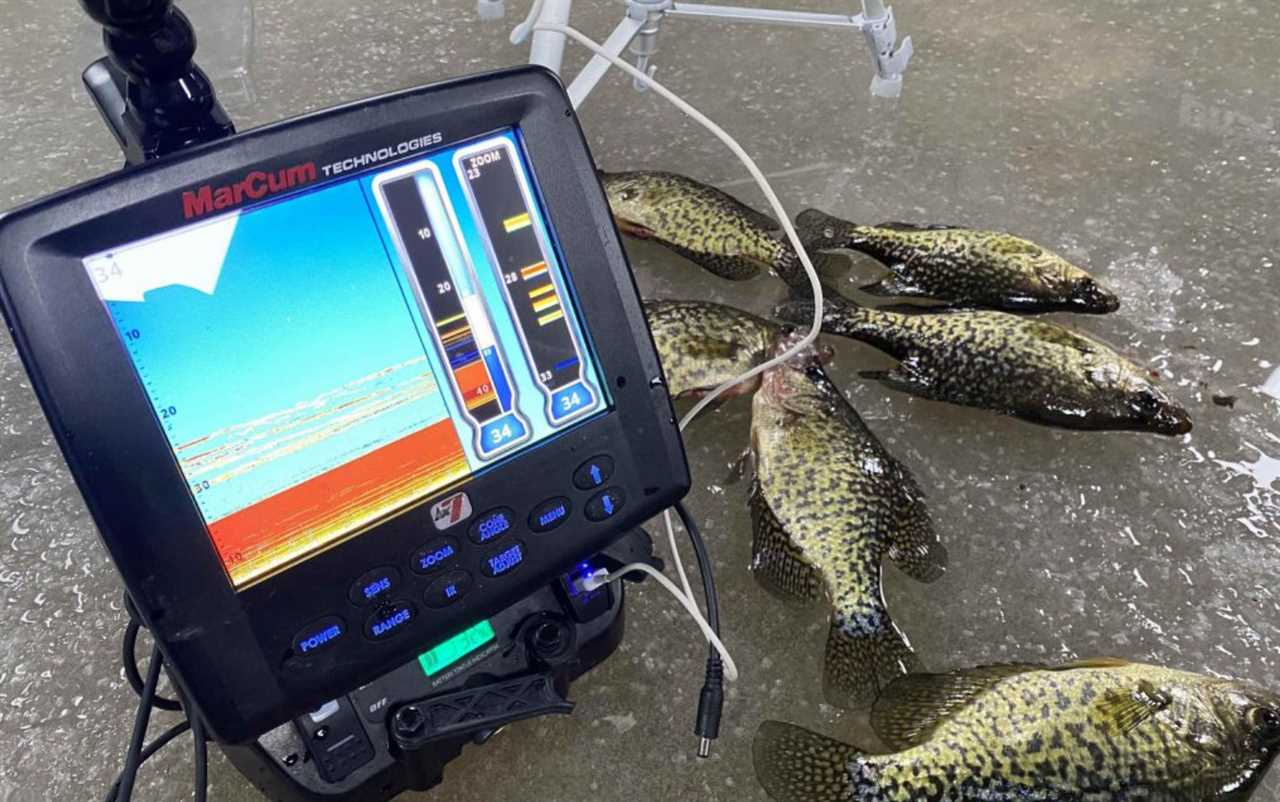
(343, 392)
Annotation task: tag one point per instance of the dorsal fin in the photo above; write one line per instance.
(897, 226)
(912, 707)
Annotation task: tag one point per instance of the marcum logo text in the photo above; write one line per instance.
(257, 184)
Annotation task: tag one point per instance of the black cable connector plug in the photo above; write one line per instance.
(711, 700)
(710, 706)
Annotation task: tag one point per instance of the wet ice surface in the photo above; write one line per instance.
(1138, 139)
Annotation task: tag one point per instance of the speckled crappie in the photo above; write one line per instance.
(828, 504)
(964, 266)
(1025, 367)
(1094, 731)
(702, 345)
(706, 226)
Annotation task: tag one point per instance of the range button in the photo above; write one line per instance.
(319, 635)
(593, 473)
(550, 514)
(390, 619)
(448, 589)
(491, 526)
(437, 555)
(374, 586)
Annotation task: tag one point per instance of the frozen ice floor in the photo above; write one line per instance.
(1139, 138)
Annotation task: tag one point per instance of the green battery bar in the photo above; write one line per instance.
(459, 646)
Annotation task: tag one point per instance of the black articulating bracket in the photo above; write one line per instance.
(151, 94)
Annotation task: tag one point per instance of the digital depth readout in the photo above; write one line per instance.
(321, 362)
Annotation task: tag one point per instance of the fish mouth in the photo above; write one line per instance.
(1095, 300)
(633, 229)
(1172, 421)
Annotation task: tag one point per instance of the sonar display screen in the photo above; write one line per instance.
(322, 362)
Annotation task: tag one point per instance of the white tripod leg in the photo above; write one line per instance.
(547, 48)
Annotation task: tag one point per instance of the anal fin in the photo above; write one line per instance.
(778, 564)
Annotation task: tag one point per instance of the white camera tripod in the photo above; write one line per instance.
(639, 29)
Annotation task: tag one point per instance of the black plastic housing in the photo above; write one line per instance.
(232, 652)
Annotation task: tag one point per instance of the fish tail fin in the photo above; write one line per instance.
(797, 765)
(863, 655)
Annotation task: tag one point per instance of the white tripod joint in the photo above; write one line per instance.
(889, 58)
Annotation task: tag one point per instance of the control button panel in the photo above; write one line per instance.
(319, 635)
(605, 504)
(504, 561)
(390, 619)
(550, 514)
(491, 526)
(448, 589)
(437, 555)
(593, 473)
(374, 586)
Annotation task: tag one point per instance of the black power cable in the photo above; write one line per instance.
(148, 699)
(711, 699)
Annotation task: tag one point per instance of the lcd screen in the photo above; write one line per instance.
(325, 361)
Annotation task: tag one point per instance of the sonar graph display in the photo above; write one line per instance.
(322, 362)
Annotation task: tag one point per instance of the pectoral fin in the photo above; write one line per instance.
(894, 287)
(778, 564)
(733, 268)
(899, 379)
(1126, 711)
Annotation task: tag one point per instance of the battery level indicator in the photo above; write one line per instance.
(454, 649)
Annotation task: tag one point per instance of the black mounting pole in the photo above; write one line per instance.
(150, 93)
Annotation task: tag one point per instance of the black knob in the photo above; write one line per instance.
(409, 721)
(126, 13)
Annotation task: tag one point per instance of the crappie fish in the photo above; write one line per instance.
(1027, 368)
(828, 503)
(704, 225)
(963, 266)
(702, 345)
(1094, 731)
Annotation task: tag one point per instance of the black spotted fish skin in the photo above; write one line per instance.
(826, 485)
(701, 223)
(966, 267)
(1025, 367)
(1095, 731)
(702, 345)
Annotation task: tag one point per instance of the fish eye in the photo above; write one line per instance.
(1266, 722)
(829, 232)
(626, 194)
